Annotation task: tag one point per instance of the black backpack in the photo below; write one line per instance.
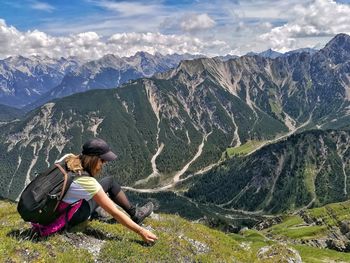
(39, 200)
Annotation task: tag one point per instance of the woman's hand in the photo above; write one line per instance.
(147, 235)
(107, 204)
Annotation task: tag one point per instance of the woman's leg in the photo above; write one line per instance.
(81, 215)
(110, 186)
(114, 191)
(117, 195)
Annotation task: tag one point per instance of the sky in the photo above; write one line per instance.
(90, 29)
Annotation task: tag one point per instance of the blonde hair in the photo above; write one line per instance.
(73, 163)
(79, 163)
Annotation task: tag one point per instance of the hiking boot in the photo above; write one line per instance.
(142, 212)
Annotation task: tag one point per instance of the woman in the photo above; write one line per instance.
(91, 194)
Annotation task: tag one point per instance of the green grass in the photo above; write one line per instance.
(289, 221)
(294, 227)
(244, 149)
(179, 240)
(316, 255)
(303, 232)
(17, 246)
(332, 214)
(275, 108)
(310, 174)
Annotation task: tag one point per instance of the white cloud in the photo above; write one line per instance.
(157, 42)
(195, 22)
(209, 27)
(89, 45)
(127, 8)
(316, 19)
(42, 6)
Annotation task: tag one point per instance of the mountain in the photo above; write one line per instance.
(23, 80)
(107, 72)
(8, 113)
(148, 64)
(32, 81)
(301, 50)
(227, 57)
(111, 71)
(179, 123)
(266, 54)
(307, 169)
(270, 54)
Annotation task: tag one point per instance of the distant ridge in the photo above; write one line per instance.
(32, 81)
(274, 54)
(110, 71)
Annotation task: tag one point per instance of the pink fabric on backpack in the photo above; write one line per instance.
(60, 222)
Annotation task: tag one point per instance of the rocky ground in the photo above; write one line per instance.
(179, 241)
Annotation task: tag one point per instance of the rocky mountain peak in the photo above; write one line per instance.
(192, 67)
(338, 49)
(94, 67)
(142, 55)
(270, 54)
(16, 60)
(340, 41)
(227, 57)
(144, 62)
(110, 60)
(311, 51)
(110, 57)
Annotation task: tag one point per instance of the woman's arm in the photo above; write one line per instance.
(107, 204)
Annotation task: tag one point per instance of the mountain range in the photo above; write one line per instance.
(23, 80)
(30, 82)
(174, 126)
(269, 53)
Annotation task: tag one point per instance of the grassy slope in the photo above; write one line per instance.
(179, 241)
(328, 216)
(294, 229)
(243, 149)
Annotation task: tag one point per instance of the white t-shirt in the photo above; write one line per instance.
(82, 187)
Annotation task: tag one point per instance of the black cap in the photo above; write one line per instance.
(98, 147)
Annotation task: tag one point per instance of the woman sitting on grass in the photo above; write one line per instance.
(91, 195)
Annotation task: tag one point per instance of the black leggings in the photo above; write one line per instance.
(110, 186)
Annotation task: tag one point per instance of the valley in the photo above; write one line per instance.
(246, 137)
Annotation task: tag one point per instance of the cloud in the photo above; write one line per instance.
(210, 27)
(157, 42)
(42, 6)
(319, 18)
(195, 22)
(128, 8)
(90, 45)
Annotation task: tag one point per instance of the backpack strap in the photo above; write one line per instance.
(64, 183)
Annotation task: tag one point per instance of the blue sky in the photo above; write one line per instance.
(93, 28)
